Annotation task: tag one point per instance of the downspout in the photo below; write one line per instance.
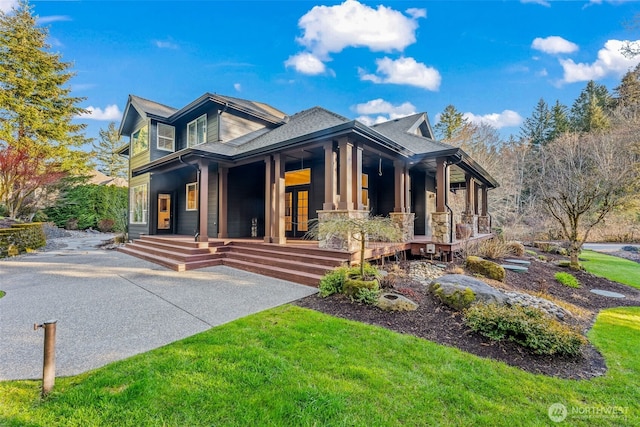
(196, 232)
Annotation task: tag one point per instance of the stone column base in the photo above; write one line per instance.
(441, 226)
(405, 222)
(350, 243)
(484, 224)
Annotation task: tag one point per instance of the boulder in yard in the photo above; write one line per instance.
(459, 291)
(393, 302)
(488, 269)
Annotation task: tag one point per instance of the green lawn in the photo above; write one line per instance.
(613, 268)
(291, 366)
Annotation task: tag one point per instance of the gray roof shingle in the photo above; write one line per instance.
(152, 107)
(397, 130)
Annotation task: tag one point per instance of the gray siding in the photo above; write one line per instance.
(187, 221)
(212, 127)
(232, 126)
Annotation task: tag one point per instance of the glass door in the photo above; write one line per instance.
(296, 212)
(164, 212)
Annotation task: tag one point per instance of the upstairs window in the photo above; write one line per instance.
(197, 131)
(166, 137)
(140, 140)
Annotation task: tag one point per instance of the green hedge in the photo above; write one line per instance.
(20, 238)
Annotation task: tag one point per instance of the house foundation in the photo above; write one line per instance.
(441, 226)
(484, 224)
(405, 222)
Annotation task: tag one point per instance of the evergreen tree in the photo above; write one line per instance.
(109, 162)
(591, 109)
(537, 129)
(628, 93)
(559, 120)
(36, 106)
(451, 123)
(36, 110)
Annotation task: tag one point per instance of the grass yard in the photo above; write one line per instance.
(613, 268)
(291, 366)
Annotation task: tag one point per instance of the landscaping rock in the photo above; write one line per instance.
(424, 271)
(546, 306)
(393, 302)
(488, 269)
(459, 291)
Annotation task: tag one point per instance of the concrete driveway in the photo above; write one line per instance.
(110, 306)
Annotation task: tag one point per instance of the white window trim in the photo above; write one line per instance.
(195, 123)
(186, 204)
(173, 138)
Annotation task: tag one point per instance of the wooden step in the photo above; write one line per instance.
(271, 260)
(180, 248)
(180, 242)
(301, 277)
(169, 252)
(156, 259)
(316, 259)
(293, 248)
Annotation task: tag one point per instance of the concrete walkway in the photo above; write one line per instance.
(110, 306)
(607, 247)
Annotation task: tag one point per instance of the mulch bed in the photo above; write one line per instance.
(436, 322)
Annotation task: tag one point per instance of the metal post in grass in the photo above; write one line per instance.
(49, 360)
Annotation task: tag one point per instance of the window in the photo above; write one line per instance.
(297, 177)
(197, 131)
(140, 140)
(365, 189)
(138, 204)
(166, 137)
(192, 196)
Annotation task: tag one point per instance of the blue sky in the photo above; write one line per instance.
(368, 60)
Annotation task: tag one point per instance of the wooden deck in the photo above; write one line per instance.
(300, 261)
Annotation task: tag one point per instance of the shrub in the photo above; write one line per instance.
(486, 268)
(332, 282)
(530, 252)
(493, 249)
(458, 300)
(567, 279)
(367, 295)
(631, 249)
(527, 326)
(106, 225)
(352, 287)
(515, 248)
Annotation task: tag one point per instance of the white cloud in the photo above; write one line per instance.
(44, 20)
(166, 44)
(237, 87)
(111, 112)
(553, 45)
(329, 29)
(7, 5)
(610, 61)
(306, 63)
(405, 71)
(540, 2)
(507, 118)
(379, 110)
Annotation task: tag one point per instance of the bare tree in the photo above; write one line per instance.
(582, 178)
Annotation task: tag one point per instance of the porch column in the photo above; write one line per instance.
(399, 186)
(268, 199)
(469, 183)
(441, 218)
(279, 195)
(407, 190)
(346, 174)
(469, 217)
(330, 181)
(203, 203)
(357, 178)
(222, 200)
(484, 221)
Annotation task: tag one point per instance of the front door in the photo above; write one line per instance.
(164, 213)
(296, 212)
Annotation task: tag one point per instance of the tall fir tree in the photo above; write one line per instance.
(537, 129)
(591, 109)
(451, 123)
(36, 113)
(36, 105)
(109, 162)
(560, 123)
(628, 93)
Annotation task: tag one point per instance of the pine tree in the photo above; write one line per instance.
(591, 109)
(559, 120)
(36, 106)
(36, 109)
(109, 162)
(451, 123)
(537, 129)
(628, 93)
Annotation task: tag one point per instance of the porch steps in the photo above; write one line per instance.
(299, 263)
(176, 254)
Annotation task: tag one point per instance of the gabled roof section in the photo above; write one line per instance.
(139, 108)
(258, 108)
(306, 122)
(413, 132)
